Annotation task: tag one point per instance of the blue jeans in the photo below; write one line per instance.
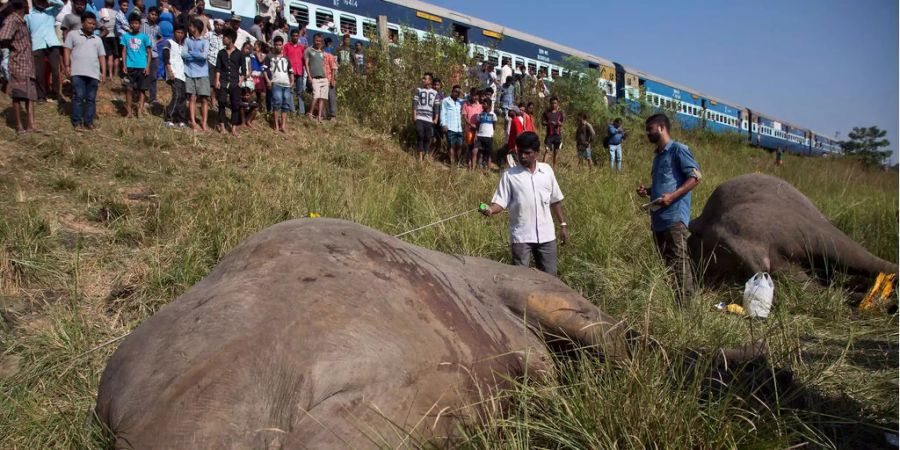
(282, 100)
(615, 158)
(299, 88)
(84, 102)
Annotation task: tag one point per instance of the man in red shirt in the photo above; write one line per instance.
(293, 51)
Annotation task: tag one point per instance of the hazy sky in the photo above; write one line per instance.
(827, 65)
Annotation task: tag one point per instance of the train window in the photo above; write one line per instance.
(324, 19)
(393, 34)
(519, 62)
(223, 4)
(410, 35)
(532, 68)
(300, 14)
(370, 30)
(668, 104)
(348, 24)
(493, 59)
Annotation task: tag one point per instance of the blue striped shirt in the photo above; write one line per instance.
(451, 114)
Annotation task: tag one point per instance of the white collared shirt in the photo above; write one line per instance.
(528, 197)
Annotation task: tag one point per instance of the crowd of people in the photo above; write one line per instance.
(468, 123)
(208, 64)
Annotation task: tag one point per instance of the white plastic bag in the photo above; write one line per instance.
(759, 292)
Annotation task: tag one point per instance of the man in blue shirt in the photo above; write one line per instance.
(616, 136)
(675, 173)
(45, 45)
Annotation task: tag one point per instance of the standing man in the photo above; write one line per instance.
(150, 27)
(451, 122)
(173, 49)
(530, 192)
(675, 173)
(331, 69)
(423, 114)
(214, 36)
(553, 121)
(507, 95)
(230, 72)
(293, 51)
(616, 136)
(280, 81)
(584, 136)
(196, 73)
(314, 58)
(21, 87)
(45, 45)
(85, 62)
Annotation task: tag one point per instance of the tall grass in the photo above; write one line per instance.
(81, 264)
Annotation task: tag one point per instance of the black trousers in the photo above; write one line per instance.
(47, 59)
(177, 110)
(230, 96)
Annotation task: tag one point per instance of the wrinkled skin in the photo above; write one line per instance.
(326, 334)
(760, 223)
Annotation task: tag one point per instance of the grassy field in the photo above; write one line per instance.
(99, 230)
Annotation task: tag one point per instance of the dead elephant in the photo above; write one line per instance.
(755, 223)
(327, 334)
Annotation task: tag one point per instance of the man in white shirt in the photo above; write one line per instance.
(505, 70)
(530, 192)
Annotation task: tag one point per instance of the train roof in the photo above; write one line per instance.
(506, 31)
(681, 87)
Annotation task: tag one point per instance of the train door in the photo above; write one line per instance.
(461, 32)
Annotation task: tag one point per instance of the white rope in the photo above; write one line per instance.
(435, 223)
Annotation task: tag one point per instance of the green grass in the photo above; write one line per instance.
(81, 264)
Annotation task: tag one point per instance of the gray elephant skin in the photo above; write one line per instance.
(319, 333)
(760, 223)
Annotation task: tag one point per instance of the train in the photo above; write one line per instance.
(495, 43)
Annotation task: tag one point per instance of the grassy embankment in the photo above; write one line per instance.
(83, 260)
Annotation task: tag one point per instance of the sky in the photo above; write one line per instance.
(828, 65)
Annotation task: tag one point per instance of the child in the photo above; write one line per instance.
(486, 120)
(248, 107)
(259, 66)
(135, 63)
(280, 82)
(172, 50)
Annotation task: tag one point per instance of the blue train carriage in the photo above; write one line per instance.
(721, 117)
(772, 134)
(822, 145)
(685, 104)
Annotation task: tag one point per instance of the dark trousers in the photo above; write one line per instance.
(84, 100)
(47, 59)
(332, 102)
(176, 112)
(544, 256)
(423, 132)
(229, 96)
(154, 67)
(672, 245)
